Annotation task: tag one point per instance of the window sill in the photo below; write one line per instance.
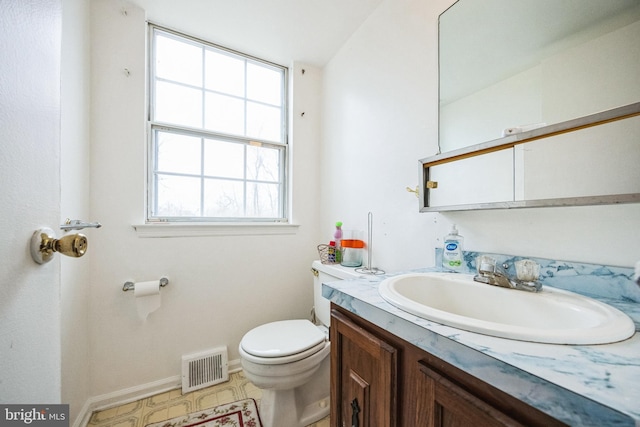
(201, 230)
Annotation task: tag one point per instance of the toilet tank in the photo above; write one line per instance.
(327, 273)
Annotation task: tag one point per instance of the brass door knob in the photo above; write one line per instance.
(44, 245)
(73, 245)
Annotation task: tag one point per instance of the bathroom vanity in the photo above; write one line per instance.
(391, 368)
(384, 380)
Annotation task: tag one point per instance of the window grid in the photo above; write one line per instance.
(203, 134)
(202, 176)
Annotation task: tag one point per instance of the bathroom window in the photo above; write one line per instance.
(217, 133)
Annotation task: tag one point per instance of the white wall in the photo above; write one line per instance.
(30, 193)
(220, 286)
(74, 201)
(380, 116)
(380, 110)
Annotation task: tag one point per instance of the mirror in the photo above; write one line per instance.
(507, 67)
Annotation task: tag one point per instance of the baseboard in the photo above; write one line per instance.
(128, 395)
(122, 397)
(234, 366)
(84, 416)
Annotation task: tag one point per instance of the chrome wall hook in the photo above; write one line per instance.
(44, 245)
(78, 224)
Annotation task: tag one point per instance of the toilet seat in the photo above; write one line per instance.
(282, 342)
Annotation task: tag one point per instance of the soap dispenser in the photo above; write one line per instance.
(452, 256)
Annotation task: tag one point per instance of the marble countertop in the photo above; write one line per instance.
(597, 385)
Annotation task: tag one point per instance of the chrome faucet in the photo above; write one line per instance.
(526, 279)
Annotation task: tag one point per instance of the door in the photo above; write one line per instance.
(30, 33)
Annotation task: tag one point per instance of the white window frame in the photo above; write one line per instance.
(155, 126)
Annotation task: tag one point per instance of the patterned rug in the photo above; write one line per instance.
(243, 413)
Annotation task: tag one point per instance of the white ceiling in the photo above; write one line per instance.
(280, 31)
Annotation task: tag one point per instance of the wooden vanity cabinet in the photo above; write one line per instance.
(364, 370)
(452, 406)
(378, 379)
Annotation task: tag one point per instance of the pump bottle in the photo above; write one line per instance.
(452, 256)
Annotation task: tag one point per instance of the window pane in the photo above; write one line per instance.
(224, 114)
(263, 163)
(263, 122)
(178, 196)
(178, 153)
(224, 73)
(213, 114)
(178, 61)
(223, 159)
(178, 105)
(264, 84)
(223, 198)
(263, 200)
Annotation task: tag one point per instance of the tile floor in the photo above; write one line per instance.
(173, 404)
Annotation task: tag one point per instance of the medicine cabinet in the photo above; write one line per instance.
(588, 161)
(536, 115)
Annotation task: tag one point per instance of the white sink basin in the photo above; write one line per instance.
(551, 316)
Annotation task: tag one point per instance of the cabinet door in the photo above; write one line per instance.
(364, 374)
(445, 404)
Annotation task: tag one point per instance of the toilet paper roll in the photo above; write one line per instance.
(147, 295)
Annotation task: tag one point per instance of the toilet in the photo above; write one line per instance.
(289, 360)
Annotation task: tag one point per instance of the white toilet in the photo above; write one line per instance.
(289, 360)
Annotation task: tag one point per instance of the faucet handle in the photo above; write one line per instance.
(485, 265)
(527, 270)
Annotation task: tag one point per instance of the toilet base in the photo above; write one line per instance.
(300, 406)
(271, 417)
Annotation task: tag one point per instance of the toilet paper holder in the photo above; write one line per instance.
(130, 286)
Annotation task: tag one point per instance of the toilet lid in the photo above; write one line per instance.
(283, 338)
